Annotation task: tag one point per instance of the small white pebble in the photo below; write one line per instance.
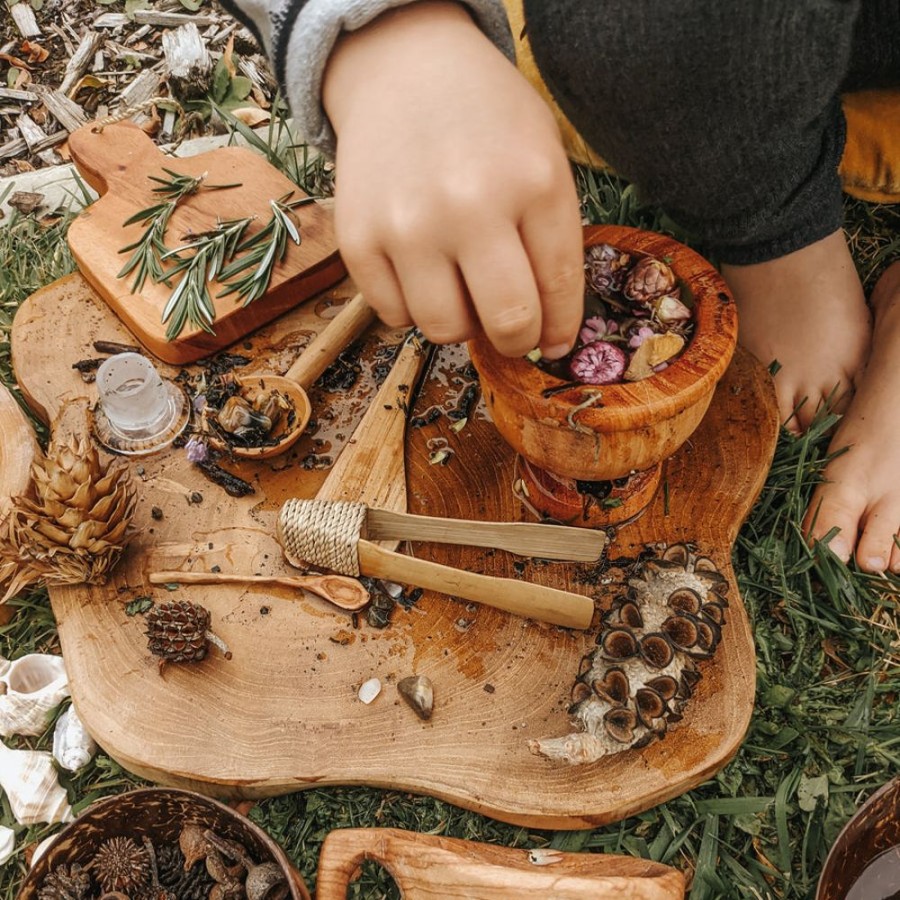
(369, 690)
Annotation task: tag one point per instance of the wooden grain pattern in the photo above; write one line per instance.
(17, 451)
(116, 162)
(431, 867)
(283, 713)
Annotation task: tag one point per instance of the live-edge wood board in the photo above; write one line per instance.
(283, 714)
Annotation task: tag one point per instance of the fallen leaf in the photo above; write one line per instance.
(15, 61)
(88, 83)
(655, 349)
(25, 201)
(34, 51)
(23, 77)
(228, 56)
(251, 115)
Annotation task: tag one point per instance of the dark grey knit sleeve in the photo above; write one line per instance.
(299, 35)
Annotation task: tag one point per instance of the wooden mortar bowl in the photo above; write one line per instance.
(874, 828)
(635, 424)
(157, 813)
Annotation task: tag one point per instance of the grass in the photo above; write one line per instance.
(825, 733)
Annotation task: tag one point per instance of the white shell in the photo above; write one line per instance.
(369, 690)
(41, 849)
(29, 780)
(73, 747)
(7, 843)
(35, 685)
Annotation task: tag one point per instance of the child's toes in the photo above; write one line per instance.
(895, 554)
(832, 507)
(876, 543)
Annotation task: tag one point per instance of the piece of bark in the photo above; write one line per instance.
(110, 20)
(188, 63)
(171, 19)
(23, 15)
(12, 94)
(26, 201)
(145, 86)
(67, 112)
(36, 139)
(81, 60)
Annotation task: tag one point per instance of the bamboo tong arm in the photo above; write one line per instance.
(524, 538)
(520, 597)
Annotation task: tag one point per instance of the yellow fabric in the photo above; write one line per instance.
(870, 167)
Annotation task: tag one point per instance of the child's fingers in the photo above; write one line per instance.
(435, 297)
(553, 241)
(375, 278)
(501, 284)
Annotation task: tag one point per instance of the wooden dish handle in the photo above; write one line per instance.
(115, 153)
(353, 319)
(536, 601)
(430, 867)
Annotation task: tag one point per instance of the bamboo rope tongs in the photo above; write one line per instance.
(339, 535)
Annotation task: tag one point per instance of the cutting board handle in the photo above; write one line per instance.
(113, 154)
(431, 867)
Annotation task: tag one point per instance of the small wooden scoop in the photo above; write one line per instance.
(340, 332)
(347, 593)
(329, 534)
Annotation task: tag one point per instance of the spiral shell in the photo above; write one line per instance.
(73, 747)
(7, 843)
(29, 780)
(636, 682)
(35, 685)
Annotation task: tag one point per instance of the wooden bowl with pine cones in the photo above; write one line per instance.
(162, 844)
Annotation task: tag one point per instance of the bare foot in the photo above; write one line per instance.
(862, 494)
(807, 311)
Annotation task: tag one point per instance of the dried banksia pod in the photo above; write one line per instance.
(650, 278)
(179, 632)
(74, 526)
(121, 865)
(605, 268)
(636, 682)
(66, 883)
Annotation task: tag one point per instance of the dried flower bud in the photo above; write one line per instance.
(669, 310)
(649, 279)
(639, 336)
(596, 328)
(196, 450)
(605, 268)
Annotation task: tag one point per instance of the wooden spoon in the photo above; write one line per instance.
(341, 590)
(343, 329)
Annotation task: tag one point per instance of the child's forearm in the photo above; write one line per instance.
(299, 35)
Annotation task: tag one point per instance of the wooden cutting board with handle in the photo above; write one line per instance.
(284, 713)
(118, 162)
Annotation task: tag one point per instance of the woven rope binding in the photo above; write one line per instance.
(322, 533)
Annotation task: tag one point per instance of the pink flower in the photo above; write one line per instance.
(640, 336)
(597, 327)
(598, 363)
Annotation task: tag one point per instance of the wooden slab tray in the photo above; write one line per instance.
(117, 163)
(283, 714)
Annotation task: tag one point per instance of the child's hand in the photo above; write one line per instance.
(455, 202)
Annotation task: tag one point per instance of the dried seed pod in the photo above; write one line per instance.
(193, 845)
(620, 724)
(605, 268)
(238, 417)
(599, 362)
(179, 632)
(633, 687)
(121, 865)
(614, 687)
(618, 644)
(685, 600)
(266, 882)
(657, 650)
(66, 883)
(418, 692)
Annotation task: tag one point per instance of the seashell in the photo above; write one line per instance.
(418, 692)
(35, 685)
(7, 843)
(29, 779)
(266, 882)
(73, 747)
(41, 849)
(369, 690)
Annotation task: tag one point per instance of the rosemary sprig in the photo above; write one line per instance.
(149, 249)
(260, 253)
(190, 301)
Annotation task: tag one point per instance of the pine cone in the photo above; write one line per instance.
(195, 884)
(649, 279)
(121, 865)
(179, 632)
(605, 268)
(74, 527)
(66, 883)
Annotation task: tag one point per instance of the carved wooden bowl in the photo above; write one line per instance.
(159, 814)
(631, 426)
